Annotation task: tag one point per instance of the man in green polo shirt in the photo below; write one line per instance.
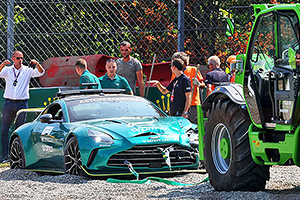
(86, 76)
(112, 80)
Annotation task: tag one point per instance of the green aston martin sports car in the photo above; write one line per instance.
(99, 134)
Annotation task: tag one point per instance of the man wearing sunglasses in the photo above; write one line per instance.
(16, 94)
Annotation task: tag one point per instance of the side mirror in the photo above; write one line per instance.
(238, 66)
(46, 118)
(230, 27)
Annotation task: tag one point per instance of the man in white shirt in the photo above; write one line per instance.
(16, 94)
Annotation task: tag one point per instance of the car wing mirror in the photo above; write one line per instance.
(56, 121)
(229, 27)
(46, 118)
(238, 66)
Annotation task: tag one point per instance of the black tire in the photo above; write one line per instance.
(72, 158)
(16, 155)
(227, 150)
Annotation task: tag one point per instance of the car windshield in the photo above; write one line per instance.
(111, 107)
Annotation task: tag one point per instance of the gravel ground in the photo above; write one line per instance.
(20, 184)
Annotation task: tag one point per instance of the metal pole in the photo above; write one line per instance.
(181, 5)
(201, 131)
(10, 28)
(147, 90)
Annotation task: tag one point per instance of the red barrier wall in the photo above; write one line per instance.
(60, 70)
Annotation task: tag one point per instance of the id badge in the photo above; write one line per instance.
(172, 98)
(15, 83)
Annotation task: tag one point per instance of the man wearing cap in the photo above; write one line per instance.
(16, 94)
(86, 76)
(112, 80)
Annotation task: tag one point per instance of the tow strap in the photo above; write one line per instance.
(156, 179)
(149, 179)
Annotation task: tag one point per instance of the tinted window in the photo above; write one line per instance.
(263, 49)
(111, 107)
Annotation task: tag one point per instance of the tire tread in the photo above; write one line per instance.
(243, 173)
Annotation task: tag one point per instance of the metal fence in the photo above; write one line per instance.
(56, 28)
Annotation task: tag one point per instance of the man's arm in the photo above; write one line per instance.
(83, 79)
(40, 68)
(187, 104)
(161, 88)
(5, 62)
(38, 65)
(125, 85)
(131, 93)
(201, 80)
(139, 75)
(208, 89)
(208, 82)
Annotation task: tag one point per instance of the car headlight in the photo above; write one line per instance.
(100, 137)
(194, 137)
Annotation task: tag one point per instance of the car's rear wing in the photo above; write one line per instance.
(28, 110)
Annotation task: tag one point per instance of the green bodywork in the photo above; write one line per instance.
(201, 131)
(271, 52)
(288, 148)
(275, 142)
(44, 150)
(42, 97)
(39, 97)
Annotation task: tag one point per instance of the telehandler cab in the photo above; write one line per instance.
(254, 123)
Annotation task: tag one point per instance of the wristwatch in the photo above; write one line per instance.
(185, 112)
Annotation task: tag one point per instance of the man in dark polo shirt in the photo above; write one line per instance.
(112, 80)
(180, 89)
(216, 74)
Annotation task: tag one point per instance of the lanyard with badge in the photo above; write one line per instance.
(16, 77)
(172, 93)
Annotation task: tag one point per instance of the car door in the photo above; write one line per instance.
(271, 78)
(49, 137)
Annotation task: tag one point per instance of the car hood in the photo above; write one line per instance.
(138, 127)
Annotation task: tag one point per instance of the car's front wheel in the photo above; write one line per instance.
(72, 158)
(16, 155)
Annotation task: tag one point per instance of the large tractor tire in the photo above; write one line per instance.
(227, 150)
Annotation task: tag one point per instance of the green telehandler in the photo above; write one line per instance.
(254, 123)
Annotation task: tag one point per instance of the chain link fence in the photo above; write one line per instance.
(57, 28)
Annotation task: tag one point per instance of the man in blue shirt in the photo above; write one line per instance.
(216, 74)
(112, 80)
(86, 76)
